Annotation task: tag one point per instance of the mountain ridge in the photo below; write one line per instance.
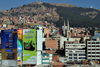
(56, 13)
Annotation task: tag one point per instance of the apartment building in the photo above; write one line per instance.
(93, 50)
(75, 52)
(45, 59)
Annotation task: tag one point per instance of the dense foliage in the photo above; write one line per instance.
(73, 14)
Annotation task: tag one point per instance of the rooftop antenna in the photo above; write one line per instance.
(91, 7)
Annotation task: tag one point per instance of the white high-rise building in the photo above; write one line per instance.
(93, 50)
(75, 52)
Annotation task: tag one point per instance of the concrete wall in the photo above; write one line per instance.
(9, 63)
(39, 46)
(39, 58)
(62, 39)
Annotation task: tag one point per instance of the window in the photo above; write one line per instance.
(69, 42)
(70, 57)
(89, 52)
(82, 58)
(93, 52)
(97, 52)
(93, 42)
(89, 56)
(89, 42)
(89, 45)
(75, 54)
(97, 49)
(70, 51)
(82, 45)
(75, 57)
(81, 54)
(97, 42)
(70, 54)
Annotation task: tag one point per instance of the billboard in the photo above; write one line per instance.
(9, 44)
(19, 44)
(29, 46)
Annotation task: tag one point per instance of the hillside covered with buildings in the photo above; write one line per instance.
(53, 13)
(47, 34)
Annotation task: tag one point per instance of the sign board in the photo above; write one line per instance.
(19, 44)
(9, 45)
(29, 46)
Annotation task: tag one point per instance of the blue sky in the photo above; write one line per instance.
(7, 4)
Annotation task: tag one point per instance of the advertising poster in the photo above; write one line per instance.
(29, 46)
(19, 44)
(9, 44)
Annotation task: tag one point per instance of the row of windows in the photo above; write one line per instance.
(76, 54)
(95, 59)
(80, 51)
(45, 56)
(93, 52)
(93, 46)
(75, 45)
(93, 42)
(77, 51)
(71, 54)
(81, 54)
(70, 43)
(79, 57)
(93, 49)
(93, 56)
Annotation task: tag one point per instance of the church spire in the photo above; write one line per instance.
(64, 28)
(64, 24)
(67, 24)
(68, 30)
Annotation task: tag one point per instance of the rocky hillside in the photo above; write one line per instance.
(56, 13)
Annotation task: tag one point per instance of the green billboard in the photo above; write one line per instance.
(29, 46)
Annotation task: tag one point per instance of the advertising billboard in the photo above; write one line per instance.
(29, 46)
(19, 44)
(9, 45)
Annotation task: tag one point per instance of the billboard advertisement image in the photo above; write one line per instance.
(19, 44)
(9, 44)
(29, 46)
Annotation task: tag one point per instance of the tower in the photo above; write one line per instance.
(68, 30)
(64, 28)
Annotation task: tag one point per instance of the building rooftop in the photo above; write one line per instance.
(51, 44)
